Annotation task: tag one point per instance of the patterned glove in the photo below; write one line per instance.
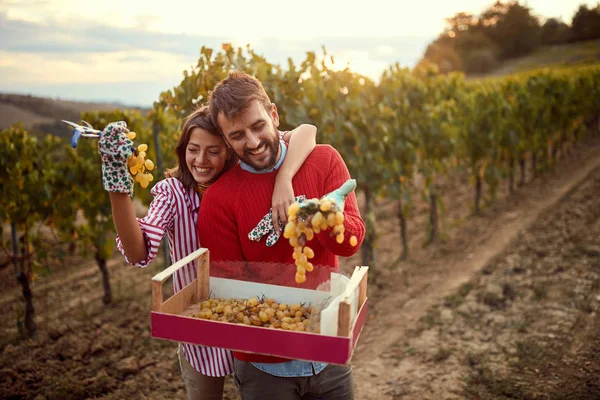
(265, 226)
(115, 148)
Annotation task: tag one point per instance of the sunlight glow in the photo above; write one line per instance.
(365, 36)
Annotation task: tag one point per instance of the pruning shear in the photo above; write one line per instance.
(85, 130)
(88, 131)
(338, 196)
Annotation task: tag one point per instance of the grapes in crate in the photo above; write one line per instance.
(256, 311)
(308, 218)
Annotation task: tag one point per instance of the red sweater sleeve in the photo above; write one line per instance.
(353, 223)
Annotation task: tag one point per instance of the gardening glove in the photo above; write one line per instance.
(115, 148)
(265, 227)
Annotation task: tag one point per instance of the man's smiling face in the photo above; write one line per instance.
(253, 135)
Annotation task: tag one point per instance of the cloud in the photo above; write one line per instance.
(21, 36)
(23, 3)
(54, 54)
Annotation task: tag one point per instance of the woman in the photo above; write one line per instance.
(202, 157)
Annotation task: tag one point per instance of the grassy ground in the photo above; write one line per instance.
(583, 53)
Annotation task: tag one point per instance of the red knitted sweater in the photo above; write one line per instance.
(236, 203)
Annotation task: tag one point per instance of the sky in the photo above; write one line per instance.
(129, 51)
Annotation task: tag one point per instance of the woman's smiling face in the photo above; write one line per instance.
(205, 155)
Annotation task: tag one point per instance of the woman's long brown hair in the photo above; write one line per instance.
(200, 118)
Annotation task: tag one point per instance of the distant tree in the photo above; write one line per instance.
(478, 52)
(490, 17)
(462, 48)
(513, 27)
(586, 23)
(441, 53)
(460, 22)
(475, 44)
(555, 31)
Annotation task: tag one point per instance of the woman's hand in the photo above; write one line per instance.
(283, 197)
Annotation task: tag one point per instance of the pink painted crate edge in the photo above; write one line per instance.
(253, 339)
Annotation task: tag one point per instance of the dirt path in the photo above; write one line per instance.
(524, 327)
(412, 290)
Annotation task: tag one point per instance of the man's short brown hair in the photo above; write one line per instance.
(233, 95)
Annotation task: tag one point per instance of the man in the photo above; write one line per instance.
(234, 205)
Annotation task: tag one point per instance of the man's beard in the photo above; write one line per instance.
(272, 146)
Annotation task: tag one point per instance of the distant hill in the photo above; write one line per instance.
(580, 53)
(41, 115)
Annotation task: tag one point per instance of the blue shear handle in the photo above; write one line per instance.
(79, 131)
(75, 137)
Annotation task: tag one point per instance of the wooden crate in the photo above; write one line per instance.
(168, 323)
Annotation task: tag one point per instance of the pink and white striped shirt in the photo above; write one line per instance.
(174, 212)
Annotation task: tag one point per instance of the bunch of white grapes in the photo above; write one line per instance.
(139, 165)
(315, 216)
